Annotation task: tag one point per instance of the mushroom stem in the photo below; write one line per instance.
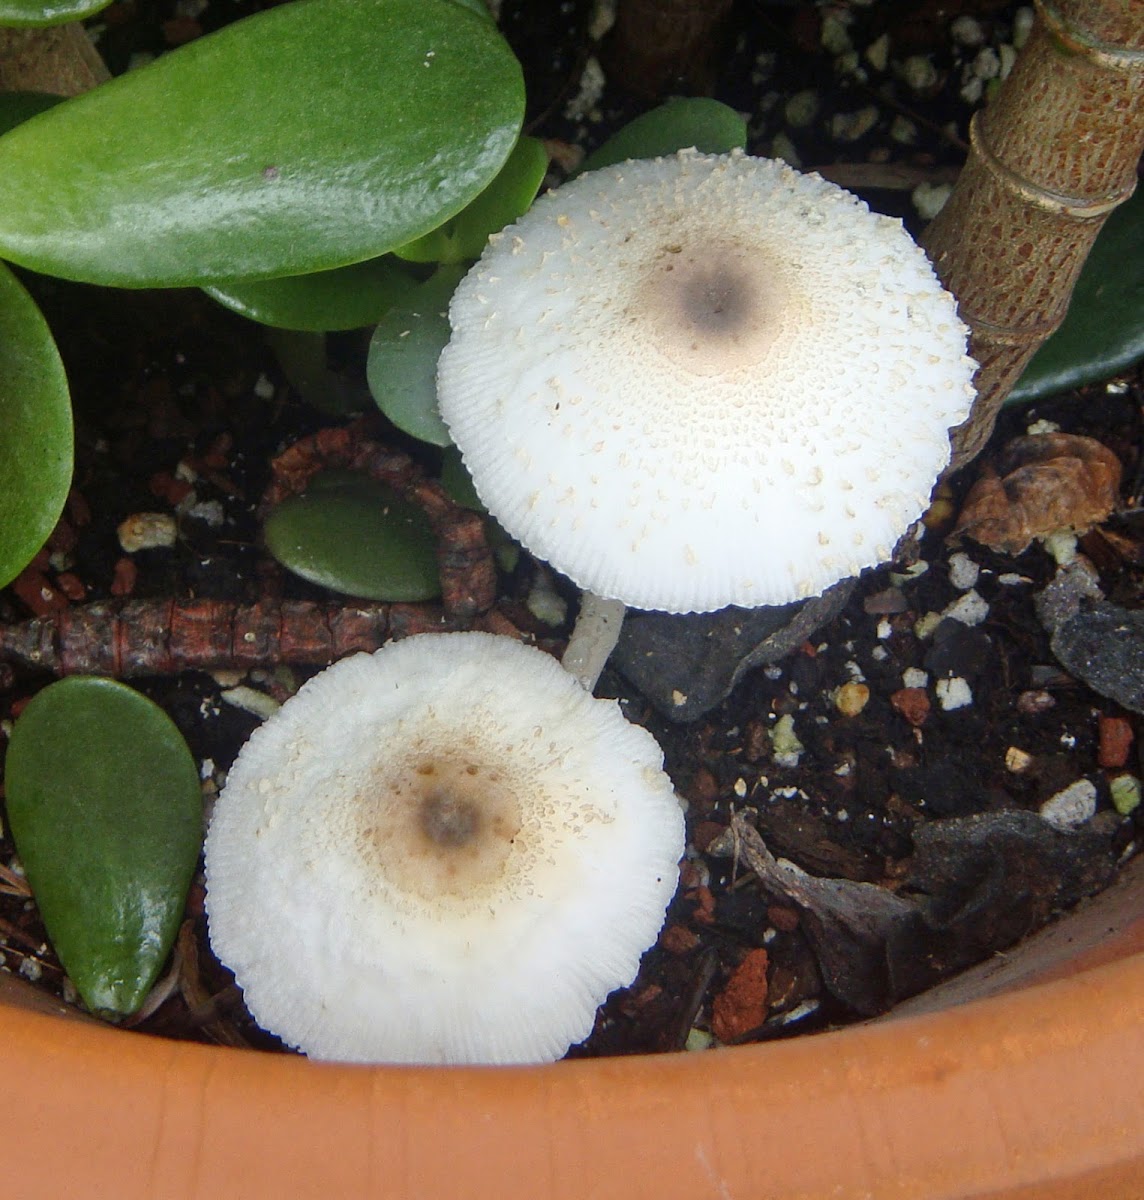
(593, 638)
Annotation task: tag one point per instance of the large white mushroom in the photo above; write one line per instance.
(443, 852)
(702, 381)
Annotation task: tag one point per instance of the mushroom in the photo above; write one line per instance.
(701, 381)
(442, 852)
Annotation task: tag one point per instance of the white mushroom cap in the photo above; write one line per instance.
(443, 852)
(704, 380)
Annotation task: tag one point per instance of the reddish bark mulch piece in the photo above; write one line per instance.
(742, 1005)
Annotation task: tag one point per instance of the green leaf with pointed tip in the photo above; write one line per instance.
(1103, 331)
(508, 196)
(343, 298)
(402, 364)
(309, 136)
(47, 12)
(18, 107)
(302, 356)
(35, 429)
(105, 809)
(680, 124)
(353, 535)
(457, 481)
(479, 7)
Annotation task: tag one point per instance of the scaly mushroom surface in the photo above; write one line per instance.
(443, 852)
(703, 381)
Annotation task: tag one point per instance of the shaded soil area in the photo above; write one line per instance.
(910, 758)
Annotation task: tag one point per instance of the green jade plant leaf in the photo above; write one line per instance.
(343, 298)
(679, 124)
(35, 429)
(1103, 331)
(307, 137)
(356, 536)
(508, 196)
(402, 366)
(104, 805)
(54, 12)
(17, 107)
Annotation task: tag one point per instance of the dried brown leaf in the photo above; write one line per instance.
(1043, 483)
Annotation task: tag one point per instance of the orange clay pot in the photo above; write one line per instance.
(1022, 1079)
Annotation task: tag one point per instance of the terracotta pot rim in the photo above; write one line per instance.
(1039, 1088)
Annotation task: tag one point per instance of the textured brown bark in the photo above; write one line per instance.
(1050, 158)
(59, 59)
(658, 46)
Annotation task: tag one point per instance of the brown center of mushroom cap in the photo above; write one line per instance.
(712, 309)
(441, 828)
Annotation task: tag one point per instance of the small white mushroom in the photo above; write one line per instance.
(443, 852)
(700, 381)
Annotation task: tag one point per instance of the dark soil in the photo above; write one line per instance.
(175, 396)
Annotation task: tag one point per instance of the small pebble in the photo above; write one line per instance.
(834, 37)
(953, 693)
(1071, 807)
(698, 1039)
(786, 749)
(849, 127)
(926, 624)
(913, 704)
(1008, 59)
(1125, 791)
(963, 571)
(782, 147)
(918, 73)
(972, 90)
(929, 199)
(545, 602)
(903, 131)
(1035, 701)
(970, 609)
(251, 700)
(878, 52)
(1022, 26)
(851, 698)
(264, 388)
(1115, 741)
(987, 65)
(966, 31)
(801, 109)
(1017, 760)
(147, 531)
(915, 677)
(210, 512)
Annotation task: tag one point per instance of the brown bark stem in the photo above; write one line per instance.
(1050, 158)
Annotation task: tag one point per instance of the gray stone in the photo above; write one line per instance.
(1103, 645)
(685, 665)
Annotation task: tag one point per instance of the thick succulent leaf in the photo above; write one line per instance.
(1103, 331)
(479, 7)
(343, 298)
(402, 364)
(105, 809)
(35, 429)
(679, 124)
(47, 12)
(457, 481)
(306, 137)
(356, 536)
(508, 196)
(17, 107)
(302, 356)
